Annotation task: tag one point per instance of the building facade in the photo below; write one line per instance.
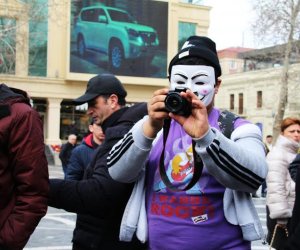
(51, 66)
(57, 78)
(253, 92)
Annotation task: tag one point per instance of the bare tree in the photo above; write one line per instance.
(278, 21)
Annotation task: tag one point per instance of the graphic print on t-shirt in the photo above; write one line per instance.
(180, 170)
(192, 204)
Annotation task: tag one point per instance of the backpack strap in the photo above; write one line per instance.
(226, 122)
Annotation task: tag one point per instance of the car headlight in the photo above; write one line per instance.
(134, 35)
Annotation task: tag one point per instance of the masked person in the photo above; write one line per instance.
(183, 211)
(98, 200)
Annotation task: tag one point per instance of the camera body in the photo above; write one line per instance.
(176, 104)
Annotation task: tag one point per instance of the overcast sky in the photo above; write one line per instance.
(230, 23)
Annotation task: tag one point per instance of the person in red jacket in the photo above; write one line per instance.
(24, 180)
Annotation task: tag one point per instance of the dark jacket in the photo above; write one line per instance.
(293, 167)
(294, 228)
(23, 169)
(65, 153)
(99, 200)
(80, 158)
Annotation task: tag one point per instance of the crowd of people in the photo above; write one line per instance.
(175, 168)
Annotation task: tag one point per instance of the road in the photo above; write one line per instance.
(54, 231)
(97, 63)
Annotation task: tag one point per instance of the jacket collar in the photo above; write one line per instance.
(9, 96)
(111, 120)
(291, 145)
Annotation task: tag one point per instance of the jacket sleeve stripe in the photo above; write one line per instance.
(227, 170)
(229, 165)
(242, 169)
(238, 166)
(119, 150)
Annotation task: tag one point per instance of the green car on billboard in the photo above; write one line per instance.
(114, 32)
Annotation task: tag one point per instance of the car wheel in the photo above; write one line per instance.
(116, 56)
(81, 49)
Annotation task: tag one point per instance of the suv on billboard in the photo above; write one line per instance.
(114, 32)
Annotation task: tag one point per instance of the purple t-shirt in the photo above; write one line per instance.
(192, 219)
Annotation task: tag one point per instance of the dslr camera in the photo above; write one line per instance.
(176, 104)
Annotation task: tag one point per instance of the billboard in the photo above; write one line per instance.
(123, 37)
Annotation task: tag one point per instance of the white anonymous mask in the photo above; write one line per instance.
(198, 78)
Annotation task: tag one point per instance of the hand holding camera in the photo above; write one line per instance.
(176, 104)
(188, 111)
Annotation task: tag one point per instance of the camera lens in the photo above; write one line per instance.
(174, 102)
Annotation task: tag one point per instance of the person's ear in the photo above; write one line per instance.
(113, 100)
(217, 86)
(91, 129)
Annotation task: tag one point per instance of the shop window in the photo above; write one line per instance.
(39, 105)
(73, 121)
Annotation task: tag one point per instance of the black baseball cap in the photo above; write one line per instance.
(102, 84)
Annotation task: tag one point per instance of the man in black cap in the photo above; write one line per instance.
(198, 177)
(98, 200)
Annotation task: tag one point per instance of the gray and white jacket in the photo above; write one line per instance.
(281, 187)
(237, 163)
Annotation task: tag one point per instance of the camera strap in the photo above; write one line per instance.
(226, 123)
(198, 164)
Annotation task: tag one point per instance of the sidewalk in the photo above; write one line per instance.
(55, 171)
(55, 230)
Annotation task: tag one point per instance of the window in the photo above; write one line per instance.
(231, 102)
(7, 45)
(259, 99)
(196, 2)
(38, 37)
(73, 120)
(185, 31)
(241, 103)
(232, 64)
(11, 28)
(87, 15)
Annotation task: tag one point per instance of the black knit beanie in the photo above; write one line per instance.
(202, 47)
